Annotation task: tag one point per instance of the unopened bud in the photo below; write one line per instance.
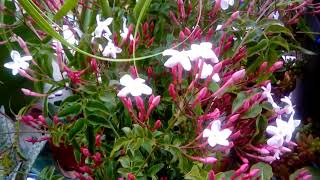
(172, 92)
(145, 28)
(94, 65)
(140, 104)
(211, 175)
(98, 140)
(233, 118)
(217, 67)
(27, 92)
(207, 160)
(42, 120)
(133, 72)
(55, 119)
(97, 157)
(239, 75)
(23, 73)
(181, 9)
(276, 66)
(85, 152)
(262, 67)
(131, 176)
(241, 170)
(157, 124)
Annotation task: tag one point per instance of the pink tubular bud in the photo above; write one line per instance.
(285, 149)
(276, 66)
(235, 135)
(207, 160)
(241, 170)
(239, 75)
(131, 176)
(209, 34)
(27, 92)
(98, 140)
(133, 72)
(262, 67)
(151, 26)
(157, 124)
(145, 28)
(189, 9)
(303, 173)
(307, 177)
(55, 119)
(172, 92)
(233, 17)
(181, 36)
(85, 169)
(94, 65)
(217, 67)
(202, 93)
(42, 120)
(23, 73)
(173, 17)
(140, 104)
(180, 73)
(97, 157)
(150, 100)
(191, 86)
(212, 115)
(150, 42)
(155, 101)
(59, 56)
(211, 175)
(85, 152)
(233, 118)
(181, 9)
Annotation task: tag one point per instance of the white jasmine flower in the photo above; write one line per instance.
(102, 26)
(226, 3)
(275, 15)
(267, 94)
(125, 31)
(69, 35)
(289, 58)
(135, 87)
(18, 62)
(111, 50)
(177, 57)
(203, 50)
(289, 106)
(219, 26)
(217, 136)
(206, 71)
(282, 132)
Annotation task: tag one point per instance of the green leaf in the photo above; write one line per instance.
(303, 50)
(76, 150)
(261, 125)
(72, 108)
(262, 45)
(277, 28)
(106, 9)
(125, 161)
(265, 170)
(213, 86)
(254, 111)
(91, 138)
(153, 170)
(224, 175)
(140, 8)
(98, 120)
(77, 127)
(237, 103)
(119, 144)
(67, 6)
(278, 40)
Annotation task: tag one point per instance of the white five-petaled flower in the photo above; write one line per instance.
(18, 62)
(125, 30)
(177, 57)
(206, 71)
(217, 136)
(102, 26)
(111, 50)
(267, 94)
(226, 3)
(282, 132)
(135, 87)
(203, 50)
(289, 107)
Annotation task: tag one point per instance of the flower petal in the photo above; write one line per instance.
(206, 133)
(225, 133)
(212, 141)
(216, 125)
(275, 141)
(126, 80)
(272, 130)
(216, 77)
(169, 52)
(171, 62)
(224, 4)
(146, 89)
(186, 64)
(222, 142)
(15, 55)
(231, 2)
(123, 92)
(26, 58)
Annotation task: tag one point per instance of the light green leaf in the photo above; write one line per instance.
(67, 6)
(153, 170)
(262, 45)
(237, 103)
(265, 170)
(278, 40)
(254, 111)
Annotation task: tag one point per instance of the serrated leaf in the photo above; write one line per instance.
(66, 7)
(253, 112)
(77, 127)
(265, 170)
(153, 170)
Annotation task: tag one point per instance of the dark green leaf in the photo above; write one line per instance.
(71, 108)
(278, 40)
(254, 111)
(261, 125)
(238, 102)
(91, 138)
(262, 45)
(77, 127)
(277, 28)
(153, 170)
(98, 120)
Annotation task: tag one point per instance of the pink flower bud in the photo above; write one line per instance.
(307, 177)
(189, 9)
(145, 28)
(202, 93)
(241, 170)
(155, 101)
(191, 86)
(233, 118)
(262, 67)
(285, 149)
(172, 92)
(55, 119)
(23, 73)
(211, 175)
(235, 135)
(180, 73)
(85, 152)
(150, 42)
(150, 100)
(157, 124)
(116, 39)
(151, 26)
(181, 9)
(181, 36)
(133, 72)
(246, 105)
(207, 160)
(140, 104)
(97, 157)
(276, 66)
(209, 34)
(42, 120)
(217, 67)
(211, 115)
(303, 173)
(27, 92)
(173, 17)
(98, 140)
(94, 65)
(131, 176)
(239, 75)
